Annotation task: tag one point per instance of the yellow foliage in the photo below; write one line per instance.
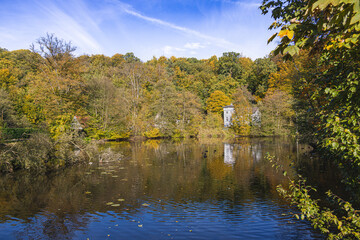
(217, 101)
(152, 133)
(242, 117)
(286, 32)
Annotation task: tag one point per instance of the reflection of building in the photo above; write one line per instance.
(228, 154)
(256, 152)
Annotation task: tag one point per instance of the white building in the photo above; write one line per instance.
(228, 112)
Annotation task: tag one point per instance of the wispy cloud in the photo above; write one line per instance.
(220, 42)
(6, 35)
(68, 27)
(242, 3)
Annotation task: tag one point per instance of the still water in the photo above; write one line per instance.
(159, 190)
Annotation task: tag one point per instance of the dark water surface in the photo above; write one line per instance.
(159, 190)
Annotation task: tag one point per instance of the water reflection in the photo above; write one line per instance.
(228, 154)
(160, 189)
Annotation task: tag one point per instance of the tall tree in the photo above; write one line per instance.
(229, 64)
(217, 101)
(58, 90)
(258, 81)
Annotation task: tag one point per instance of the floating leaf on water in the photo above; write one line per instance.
(121, 168)
(115, 205)
(121, 199)
(140, 225)
(103, 172)
(87, 192)
(115, 176)
(146, 204)
(109, 203)
(88, 173)
(124, 179)
(190, 230)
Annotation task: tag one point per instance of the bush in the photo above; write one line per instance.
(41, 153)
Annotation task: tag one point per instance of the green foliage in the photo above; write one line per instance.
(315, 24)
(241, 119)
(340, 221)
(277, 114)
(229, 65)
(212, 127)
(330, 29)
(15, 133)
(258, 80)
(42, 153)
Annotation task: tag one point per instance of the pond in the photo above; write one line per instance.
(161, 189)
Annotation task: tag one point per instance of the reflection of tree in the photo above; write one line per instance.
(176, 172)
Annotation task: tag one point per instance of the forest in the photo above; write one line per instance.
(120, 96)
(308, 88)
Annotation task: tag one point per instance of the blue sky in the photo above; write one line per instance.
(181, 28)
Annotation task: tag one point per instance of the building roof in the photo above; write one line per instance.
(229, 106)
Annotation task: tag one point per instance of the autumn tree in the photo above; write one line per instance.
(332, 30)
(277, 115)
(241, 120)
(189, 113)
(258, 79)
(58, 89)
(164, 108)
(229, 64)
(217, 101)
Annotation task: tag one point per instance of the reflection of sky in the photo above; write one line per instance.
(183, 190)
(167, 220)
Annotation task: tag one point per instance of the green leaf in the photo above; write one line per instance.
(291, 50)
(321, 4)
(272, 38)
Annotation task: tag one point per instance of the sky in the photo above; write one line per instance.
(148, 28)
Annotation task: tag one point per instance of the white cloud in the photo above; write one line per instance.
(194, 46)
(169, 50)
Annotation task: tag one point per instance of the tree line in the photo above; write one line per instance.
(121, 96)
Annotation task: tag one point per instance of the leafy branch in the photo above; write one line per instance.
(340, 222)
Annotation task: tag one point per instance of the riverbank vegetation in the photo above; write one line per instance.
(330, 32)
(48, 94)
(118, 97)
